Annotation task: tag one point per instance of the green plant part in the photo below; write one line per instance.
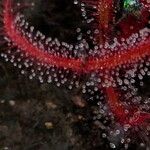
(131, 6)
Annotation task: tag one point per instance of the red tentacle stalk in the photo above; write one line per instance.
(124, 116)
(34, 51)
(127, 57)
(109, 62)
(105, 19)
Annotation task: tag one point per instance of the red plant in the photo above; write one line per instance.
(125, 53)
